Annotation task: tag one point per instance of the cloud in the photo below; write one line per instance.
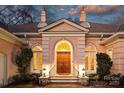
(119, 20)
(101, 9)
(94, 9)
(96, 13)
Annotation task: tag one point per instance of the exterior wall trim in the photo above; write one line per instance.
(114, 42)
(23, 33)
(10, 37)
(113, 37)
(64, 34)
(68, 32)
(100, 33)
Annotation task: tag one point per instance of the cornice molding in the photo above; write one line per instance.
(112, 38)
(5, 35)
(61, 21)
(59, 34)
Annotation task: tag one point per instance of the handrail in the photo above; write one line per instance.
(76, 70)
(51, 69)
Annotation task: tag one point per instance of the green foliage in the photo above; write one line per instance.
(121, 80)
(91, 75)
(23, 60)
(118, 79)
(22, 79)
(104, 64)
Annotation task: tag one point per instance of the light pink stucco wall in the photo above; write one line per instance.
(9, 50)
(118, 55)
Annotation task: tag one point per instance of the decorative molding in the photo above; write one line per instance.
(63, 34)
(23, 33)
(90, 33)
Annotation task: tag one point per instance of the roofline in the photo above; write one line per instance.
(5, 35)
(100, 33)
(60, 21)
(111, 38)
(23, 33)
(70, 32)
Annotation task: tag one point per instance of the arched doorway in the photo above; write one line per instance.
(63, 55)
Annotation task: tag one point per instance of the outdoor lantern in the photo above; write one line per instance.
(83, 71)
(44, 72)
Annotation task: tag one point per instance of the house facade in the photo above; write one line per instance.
(64, 47)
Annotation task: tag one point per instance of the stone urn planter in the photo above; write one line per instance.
(84, 80)
(43, 80)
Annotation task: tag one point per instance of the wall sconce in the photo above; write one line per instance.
(83, 71)
(44, 72)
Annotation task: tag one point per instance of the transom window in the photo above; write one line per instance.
(90, 59)
(63, 46)
(37, 59)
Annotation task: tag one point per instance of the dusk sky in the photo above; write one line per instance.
(99, 14)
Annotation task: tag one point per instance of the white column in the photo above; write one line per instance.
(81, 51)
(45, 53)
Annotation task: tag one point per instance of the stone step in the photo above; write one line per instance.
(64, 79)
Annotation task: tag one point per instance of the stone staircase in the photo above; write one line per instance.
(64, 79)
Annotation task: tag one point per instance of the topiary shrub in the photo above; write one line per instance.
(104, 64)
(22, 60)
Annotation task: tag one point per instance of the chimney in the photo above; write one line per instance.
(83, 21)
(82, 15)
(43, 18)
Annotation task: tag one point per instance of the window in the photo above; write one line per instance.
(37, 59)
(110, 53)
(90, 59)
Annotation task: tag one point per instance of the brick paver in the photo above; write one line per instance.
(30, 85)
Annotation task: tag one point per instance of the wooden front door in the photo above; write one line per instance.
(63, 62)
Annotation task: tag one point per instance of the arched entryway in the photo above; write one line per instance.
(63, 56)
